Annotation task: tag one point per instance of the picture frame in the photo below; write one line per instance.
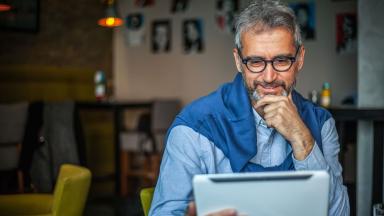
(193, 36)
(179, 6)
(23, 16)
(161, 36)
(346, 33)
(305, 14)
(226, 11)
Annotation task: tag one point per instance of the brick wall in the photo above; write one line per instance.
(68, 36)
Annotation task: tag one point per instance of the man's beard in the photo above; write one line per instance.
(255, 96)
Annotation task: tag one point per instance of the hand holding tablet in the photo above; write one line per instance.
(191, 211)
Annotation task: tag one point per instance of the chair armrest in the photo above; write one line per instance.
(146, 196)
(26, 204)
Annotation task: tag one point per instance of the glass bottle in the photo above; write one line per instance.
(100, 85)
(326, 95)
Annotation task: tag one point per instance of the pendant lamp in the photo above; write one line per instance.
(110, 19)
(4, 6)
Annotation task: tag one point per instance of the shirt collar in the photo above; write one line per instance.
(259, 121)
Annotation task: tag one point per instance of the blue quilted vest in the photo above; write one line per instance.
(226, 118)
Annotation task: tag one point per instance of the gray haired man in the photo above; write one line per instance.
(256, 123)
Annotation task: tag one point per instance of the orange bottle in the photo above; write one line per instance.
(326, 95)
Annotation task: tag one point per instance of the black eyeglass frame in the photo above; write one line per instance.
(245, 61)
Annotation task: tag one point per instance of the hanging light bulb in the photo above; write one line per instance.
(110, 19)
(4, 6)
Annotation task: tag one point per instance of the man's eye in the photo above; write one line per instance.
(281, 61)
(255, 62)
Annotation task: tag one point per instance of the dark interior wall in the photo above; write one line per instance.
(68, 36)
(57, 63)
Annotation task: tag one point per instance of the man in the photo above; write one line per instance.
(256, 123)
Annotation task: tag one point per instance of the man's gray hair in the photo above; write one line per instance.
(262, 15)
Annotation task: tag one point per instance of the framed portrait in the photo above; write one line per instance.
(305, 14)
(23, 16)
(161, 36)
(226, 11)
(134, 31)
(144, 3)
(193, 40)
(346, 33)
(179, 6)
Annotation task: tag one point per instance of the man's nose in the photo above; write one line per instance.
(269, 74)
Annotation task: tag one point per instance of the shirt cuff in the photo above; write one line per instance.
(314, 161)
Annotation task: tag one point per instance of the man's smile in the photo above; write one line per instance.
(269, 89)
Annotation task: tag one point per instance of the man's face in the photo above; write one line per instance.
(268, 45)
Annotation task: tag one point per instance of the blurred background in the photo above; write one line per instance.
(97, 83)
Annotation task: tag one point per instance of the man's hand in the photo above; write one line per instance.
(191, 211)
(281, 113)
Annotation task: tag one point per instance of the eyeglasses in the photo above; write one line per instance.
(279, 63)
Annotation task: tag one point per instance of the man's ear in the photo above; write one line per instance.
(237, 60)
(300, 58)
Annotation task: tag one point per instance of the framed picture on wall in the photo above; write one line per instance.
(161, 36)
(23, 16)
(226, 11)
(179, 6)
(193, 37)
(144, 3)
(305, 13)
(346, 33)
(134, 31)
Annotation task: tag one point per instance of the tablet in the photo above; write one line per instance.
(288, 193)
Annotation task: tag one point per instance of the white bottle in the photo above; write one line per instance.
(100, 85)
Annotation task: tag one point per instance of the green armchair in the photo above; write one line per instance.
(68, 199)
(146, 195)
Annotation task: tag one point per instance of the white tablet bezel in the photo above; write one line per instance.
(288, 193)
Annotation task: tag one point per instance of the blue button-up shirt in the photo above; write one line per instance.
(188, 153)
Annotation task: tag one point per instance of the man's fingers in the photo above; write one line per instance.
(225, 212)
(277, 122)
(290, 95)
(268, 99)
(191, 209)
(268, 116)
(273, 106)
